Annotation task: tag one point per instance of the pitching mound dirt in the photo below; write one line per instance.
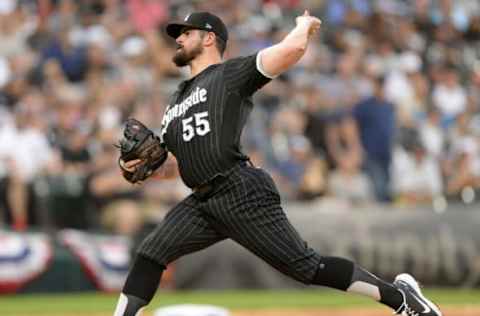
(450, 311)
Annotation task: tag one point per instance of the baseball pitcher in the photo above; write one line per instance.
(230, 197)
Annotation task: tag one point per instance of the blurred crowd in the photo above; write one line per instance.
(383, 108)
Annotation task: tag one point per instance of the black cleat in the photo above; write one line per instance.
(414, 303)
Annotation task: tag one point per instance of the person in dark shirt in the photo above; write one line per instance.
(231, 198)
(376, 123)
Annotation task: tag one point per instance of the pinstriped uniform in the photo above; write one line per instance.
(245, 208)
(244, 205)
(220, 97)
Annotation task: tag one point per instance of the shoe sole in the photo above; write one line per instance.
(410, 280)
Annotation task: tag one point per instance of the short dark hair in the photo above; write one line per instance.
(219, 42)
(221, 45)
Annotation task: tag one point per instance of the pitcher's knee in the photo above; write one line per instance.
(334, 272)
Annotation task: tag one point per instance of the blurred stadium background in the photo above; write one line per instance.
(373, 140)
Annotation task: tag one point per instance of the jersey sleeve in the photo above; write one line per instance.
(245, 74)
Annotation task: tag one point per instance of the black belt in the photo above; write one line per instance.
(205, 189)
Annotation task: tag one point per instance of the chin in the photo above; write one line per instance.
(180, 62)
(181, 59)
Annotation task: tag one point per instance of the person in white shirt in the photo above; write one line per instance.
(449, 96)
(416, 174)
(24, 152)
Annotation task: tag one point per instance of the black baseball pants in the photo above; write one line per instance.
(245, 208)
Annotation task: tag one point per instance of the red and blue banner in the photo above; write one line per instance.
(23, 257)
(105, 259)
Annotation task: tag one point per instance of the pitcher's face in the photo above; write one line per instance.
(189, 46)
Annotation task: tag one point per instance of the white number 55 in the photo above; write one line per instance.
(201, 128)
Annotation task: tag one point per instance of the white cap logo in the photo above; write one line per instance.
(186, 18)
(208, 26)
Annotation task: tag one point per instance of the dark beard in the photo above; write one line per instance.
(183, 58)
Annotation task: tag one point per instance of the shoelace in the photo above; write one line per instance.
(409, 311)
(404, 309)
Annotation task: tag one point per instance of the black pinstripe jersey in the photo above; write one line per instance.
(203, 122)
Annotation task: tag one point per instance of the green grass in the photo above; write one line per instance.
(98, 303)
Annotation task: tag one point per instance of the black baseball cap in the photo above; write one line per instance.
(201, 21)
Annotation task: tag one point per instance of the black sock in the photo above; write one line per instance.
(343, 274)
(143, 278)
(365, 283)
(140, 287)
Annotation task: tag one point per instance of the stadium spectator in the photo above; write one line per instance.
(449, 96)
(431, 134)
(463, 162)
(406, 88)
(349, 183)
(24, 154)
(376, 121)
(416, 174)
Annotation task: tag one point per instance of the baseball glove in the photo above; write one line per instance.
(139, 142)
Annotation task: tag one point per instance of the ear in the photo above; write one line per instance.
(209, 39)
